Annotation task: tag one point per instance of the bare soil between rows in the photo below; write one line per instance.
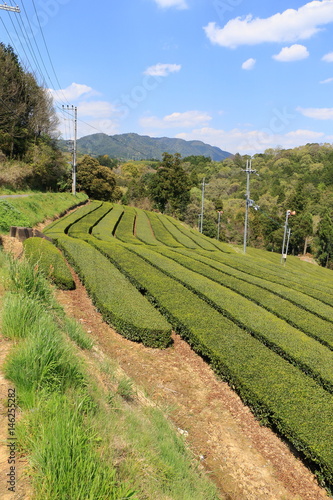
(246, 460)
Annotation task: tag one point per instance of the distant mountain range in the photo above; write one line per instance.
(143, 147)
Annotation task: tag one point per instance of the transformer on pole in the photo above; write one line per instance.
(9, 8)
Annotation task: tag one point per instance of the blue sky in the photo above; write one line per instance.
(243, 75)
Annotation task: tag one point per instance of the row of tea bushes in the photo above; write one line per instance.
(278, 392)
(306, 353)
(46, 256)
(160, 232)
(106, 227)
(118, 301)
(300, 282)
(61, 226)
(86, 223)
(304, 320)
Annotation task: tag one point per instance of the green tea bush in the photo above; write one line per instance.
(144, 230)
(304, 320)
(159, 231)
(86, 223)
(119, 302)
(126, 227)
(61, 226)
(105, 228)
(278, 392)
(311, 356)
(48, 258)
(179, 236)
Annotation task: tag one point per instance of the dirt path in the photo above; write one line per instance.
(247, 461)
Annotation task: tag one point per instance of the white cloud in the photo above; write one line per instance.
(249, 64)
(253, 141)
(160, 69)
(295, 52)
(72, 92)
(328, 57)
(179, 4)
(289, 26)
(176, 120)
(96, 109)
(317, 113)
(328, 80)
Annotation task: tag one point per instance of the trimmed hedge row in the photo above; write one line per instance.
(184, 240)
(306, 321)
(249, 266)
(144, 230)
(298, 298)
(161, 234)
(278, 392)
(86, 223)
(43, 253)
(105, 228)
(61, 226)
(306, 353)
(200, 240)
(126, 227)
(119, 302)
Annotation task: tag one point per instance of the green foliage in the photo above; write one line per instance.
(86, 223)
(325, 240)
(61, 226)
(96, 180)
(126, 227)
(106, 161)
(76, 333)
(123, 306)
(65, 455)
(144, 230)
(159, 231)
(11, 216)
(106, 227)
(170, 186)
(46, 256)
(34, 208)
(27, 113)
(265, 328)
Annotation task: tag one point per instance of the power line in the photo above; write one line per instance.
(45, 44)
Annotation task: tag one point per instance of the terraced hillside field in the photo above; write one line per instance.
(265, 328)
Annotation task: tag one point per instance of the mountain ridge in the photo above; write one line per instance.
(135, 146)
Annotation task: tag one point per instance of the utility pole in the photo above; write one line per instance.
(218, 224)
(248, 171)
(9, 8)
(286, 231)
(73, 109)
(202, 204)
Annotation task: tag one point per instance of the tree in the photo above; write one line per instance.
(106, 161)
(324, 240)
(26, 109)
(170, 187)
(97, 181)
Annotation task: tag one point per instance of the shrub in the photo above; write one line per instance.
(119, 302)
(46, 256)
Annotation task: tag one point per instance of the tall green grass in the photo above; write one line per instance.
(65, 453)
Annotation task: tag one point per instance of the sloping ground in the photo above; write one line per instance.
(263, 337)
(246, 460)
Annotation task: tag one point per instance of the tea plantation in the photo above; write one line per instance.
(265, 328)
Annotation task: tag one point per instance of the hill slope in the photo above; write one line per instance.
(144, 147)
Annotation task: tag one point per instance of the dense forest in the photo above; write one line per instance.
(299, 179)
